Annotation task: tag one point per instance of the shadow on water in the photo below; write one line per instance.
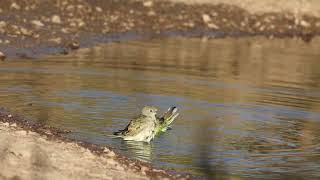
(249, 107)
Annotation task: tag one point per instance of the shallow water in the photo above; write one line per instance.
(250, 107)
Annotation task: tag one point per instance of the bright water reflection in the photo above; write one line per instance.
(249, 107)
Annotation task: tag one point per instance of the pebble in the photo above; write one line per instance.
(147, 3)
(74, 45)
(3, 24)
(99, 9)
(37, 23)
(24, 31)
(56, 19)
(206, 18)
(14, 125)
(15, 6)
(2, 56)
(57, 40)
(151, 13)
(144, 169)
(304, 23)
(212, 26)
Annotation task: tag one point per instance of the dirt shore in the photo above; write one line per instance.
(32, 151)
(297, 7)
(32, 28)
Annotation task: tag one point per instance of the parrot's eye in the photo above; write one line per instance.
(150, 110)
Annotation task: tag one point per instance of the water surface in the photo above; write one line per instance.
(250, 107)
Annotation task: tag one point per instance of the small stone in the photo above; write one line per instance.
(57, 40)
(189, 24)
(257, 24)
(81, 23)
(65, 30)
(15, 6)
(74, 45)
(99, 9)
(151, 13)
(144, 169)
(296, 21)
(73, 24)
(304, 23)
(6, 124)
(37, 23)
(109, 152)
(9, 116)
(2, 56)
(24, 31)
(206, 18)
(56, 19)
(70, 8)
(3, 24)
(147, 3)
(14, 125)
(36, 36)
(212, 26)
(261, 28)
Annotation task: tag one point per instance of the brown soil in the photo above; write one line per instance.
(29, 28)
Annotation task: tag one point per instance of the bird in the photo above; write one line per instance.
(147, 125)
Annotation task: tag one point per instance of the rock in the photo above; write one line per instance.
(74, 45)
(24, 31)
(57, 40)
(304, 23)
(81, 23)
(147, 3)
(56, 19)
(99, 9)
(15, 6)
(144, 169)
(2, 56)
(151, 13)
(3, 24)
(212, 26)
(13, 125)
(37, 23)
(206, 18)
(65, 30)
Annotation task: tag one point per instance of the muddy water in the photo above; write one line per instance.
(250, 108)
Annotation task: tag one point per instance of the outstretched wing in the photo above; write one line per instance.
(165, 121)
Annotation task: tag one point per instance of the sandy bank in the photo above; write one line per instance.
(298, 7)
(36, 152)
